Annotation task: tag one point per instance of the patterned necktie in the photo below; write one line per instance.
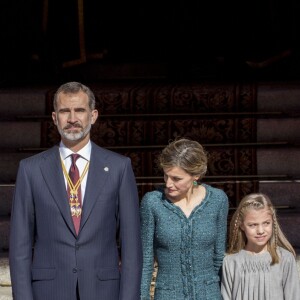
(75, 196)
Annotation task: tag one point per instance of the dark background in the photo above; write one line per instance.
(183, 39)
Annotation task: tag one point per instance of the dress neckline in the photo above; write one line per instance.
(179, 211)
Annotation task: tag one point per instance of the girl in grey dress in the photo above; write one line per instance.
(260, 263)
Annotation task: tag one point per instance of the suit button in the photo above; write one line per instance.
(74, 270)
(77, 247)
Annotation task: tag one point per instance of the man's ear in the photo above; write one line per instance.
(54, 118)
(95, 115)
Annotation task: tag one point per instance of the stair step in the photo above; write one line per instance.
(278, 96)
(28, 134)
(5, 293)
(148, 155)
(6, 195)
(159, 116)
(9, 164)
(282, 192)
(279, 188)
(5, 279)
(4, 272)
(273, 130)
(4, 233)
(290, 223)
(25, 100)
(20, 134)
(271, 96)
(278, 161)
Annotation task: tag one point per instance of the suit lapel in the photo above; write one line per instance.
(52, 172)
(97, 178)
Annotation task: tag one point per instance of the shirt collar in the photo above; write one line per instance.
(85, 152)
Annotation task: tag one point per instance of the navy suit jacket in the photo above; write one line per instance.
(48, 259)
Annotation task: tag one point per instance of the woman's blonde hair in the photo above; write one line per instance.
(237, 237)
(186, 154)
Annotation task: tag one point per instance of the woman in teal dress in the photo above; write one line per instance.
(183, 228)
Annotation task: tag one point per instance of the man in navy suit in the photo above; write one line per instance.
(75, 240)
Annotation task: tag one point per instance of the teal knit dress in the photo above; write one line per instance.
(189, 251)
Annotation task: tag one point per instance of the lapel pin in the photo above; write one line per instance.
(106, 169)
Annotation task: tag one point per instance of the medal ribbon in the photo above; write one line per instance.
(74, 189)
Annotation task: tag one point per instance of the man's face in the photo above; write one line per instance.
(73, 117)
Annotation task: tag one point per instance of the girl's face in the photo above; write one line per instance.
(258, 228)
(178, 182)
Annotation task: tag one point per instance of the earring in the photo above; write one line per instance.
(195, 183)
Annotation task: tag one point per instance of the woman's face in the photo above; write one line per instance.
(178, 182)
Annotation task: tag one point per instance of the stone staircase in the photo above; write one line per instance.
(15, 102)
(23, 114)
(281, 160)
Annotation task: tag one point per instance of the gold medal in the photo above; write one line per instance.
(73, 193)
(75, 209)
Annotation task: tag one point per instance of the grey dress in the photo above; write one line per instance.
(189, 251)
(251, 277)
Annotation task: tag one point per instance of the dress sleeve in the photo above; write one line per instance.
(227, 280)
(147, 228)
(220, 244)
(290, 277)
